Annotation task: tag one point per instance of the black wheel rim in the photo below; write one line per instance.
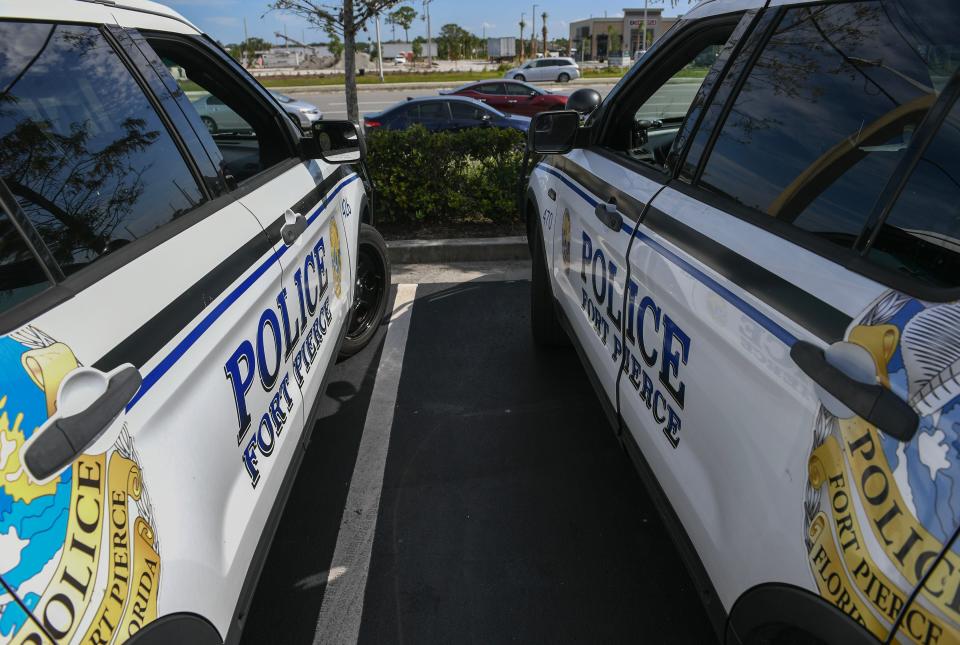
(369, 293)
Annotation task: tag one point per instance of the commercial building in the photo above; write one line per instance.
(600, 38)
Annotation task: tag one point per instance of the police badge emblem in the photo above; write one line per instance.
(335, 256)
(91, 527)
(878, 511)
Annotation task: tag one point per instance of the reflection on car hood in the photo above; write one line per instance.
(517, 118)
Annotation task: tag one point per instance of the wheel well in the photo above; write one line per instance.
(531, 213)
(774, 606)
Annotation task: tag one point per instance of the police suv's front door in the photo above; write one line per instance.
(595, 222)
(767, 256)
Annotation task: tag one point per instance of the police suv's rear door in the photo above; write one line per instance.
(794, 312)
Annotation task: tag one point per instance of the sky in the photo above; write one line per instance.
(223, 19)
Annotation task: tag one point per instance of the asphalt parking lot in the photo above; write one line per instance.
(463, 486)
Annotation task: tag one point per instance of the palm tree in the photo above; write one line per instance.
(543, 21)
(523, 24)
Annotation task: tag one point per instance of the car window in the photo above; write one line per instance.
(245, 130)
(826, 113)
(21, 275)
(433, 110)
(516, 89)
(920, 238)
(466, 111)
(490, 88)
(81, 147)
(646, 117)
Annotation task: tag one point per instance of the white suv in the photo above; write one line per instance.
(754, 243)
(560, 69)
(171, 301)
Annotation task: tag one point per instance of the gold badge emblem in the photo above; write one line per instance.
(335, 255)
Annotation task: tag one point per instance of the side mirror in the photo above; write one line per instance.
(553, 132)
(334, 142)
(532, 93)
(485, 117)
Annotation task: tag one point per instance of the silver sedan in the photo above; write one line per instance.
(305, 113)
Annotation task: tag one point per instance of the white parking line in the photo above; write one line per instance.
(342, 605)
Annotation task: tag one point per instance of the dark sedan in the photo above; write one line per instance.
(439, 114)
(513, 97)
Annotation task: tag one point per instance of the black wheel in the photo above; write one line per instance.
(370, 291)
(519, 77)
(564, 78)
(210, 123)
(546, 328)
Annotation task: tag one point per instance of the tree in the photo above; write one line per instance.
(520, 44)
(453, 41)
(335, 45)
(543, 21)
(339, 18)
(417, 46)
(403, 17)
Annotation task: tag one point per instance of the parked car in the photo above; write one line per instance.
(171, 302)
(761, 276)
(439, 114)
(560, 69)
(217, 116)
(306, 113)
(399, 59)
(512, 97)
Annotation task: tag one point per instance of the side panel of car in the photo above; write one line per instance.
(748, 260)
(110, 529)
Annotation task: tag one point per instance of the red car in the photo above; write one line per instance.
(513, 97)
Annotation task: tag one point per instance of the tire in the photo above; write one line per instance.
(519, 77)
(546, 328)
(563, 78)
(372, 287)
(210, 123)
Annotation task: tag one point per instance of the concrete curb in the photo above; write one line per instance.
(422, 85)
(477, 249)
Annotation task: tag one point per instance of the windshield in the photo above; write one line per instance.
(283, 98)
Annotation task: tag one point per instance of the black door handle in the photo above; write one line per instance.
(607, 213)
(874, 403)
(65, 439)
(552, 194)
(293, 227)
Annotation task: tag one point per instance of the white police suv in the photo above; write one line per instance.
(171, 301)
(754, 243)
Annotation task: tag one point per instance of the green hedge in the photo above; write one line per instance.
(422, 177)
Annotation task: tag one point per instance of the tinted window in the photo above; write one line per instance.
(490, 88)
(82, 149)
(466, 111)
(516, 89)
(245, 130)
(433, 110)
(20, 272)
(828, 110)
(921, 235)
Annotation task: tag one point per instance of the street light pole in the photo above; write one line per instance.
(426, 7)
(379, 50)
(644, 27)
(533, 33)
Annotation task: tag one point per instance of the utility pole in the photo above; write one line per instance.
(245, 39)
(533, 33)
(522, 21)
(379, 50)
(645, 3)
(426, 7)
